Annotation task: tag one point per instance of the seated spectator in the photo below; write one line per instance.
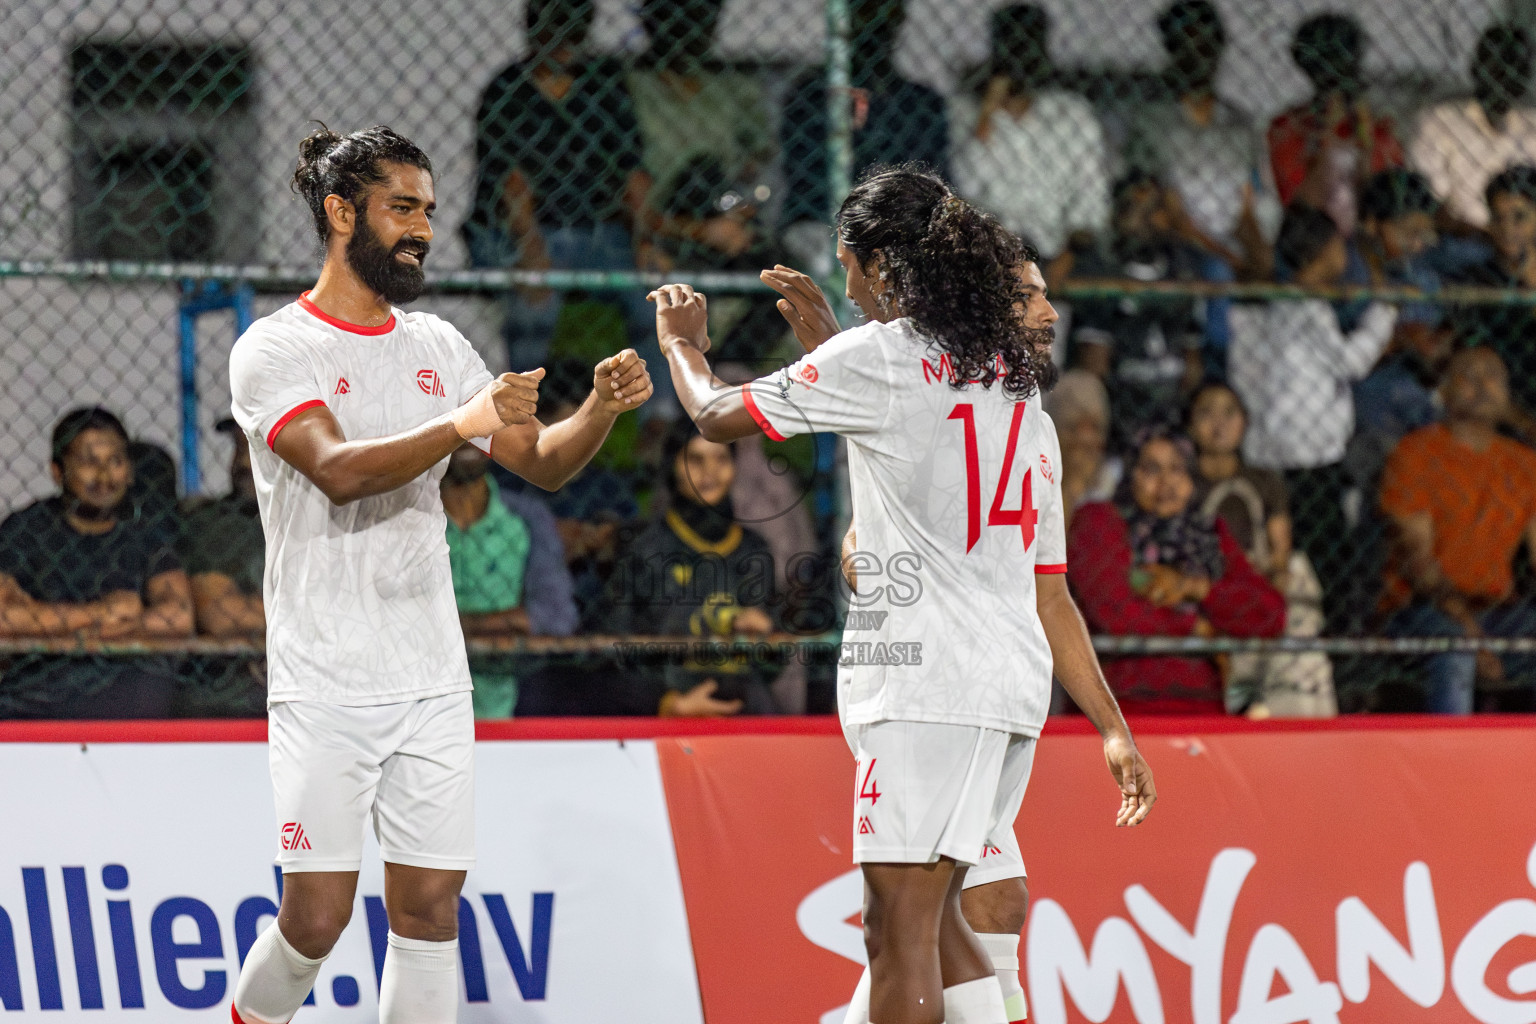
(1145, 347)
(894, 120)
(1322, 150)
(488, 552)
(225, 552)
(1397, 397)
(1255, 508)
(1511, 329)
(1150, 565)
(1396, 232)
(1212, 157)
(690, 106)
(697, 573)
(1294, 376)
(1079, 406)
(1461, 145)
(79, 565)
(1462, 499)
(559, 183)
(1031, 154)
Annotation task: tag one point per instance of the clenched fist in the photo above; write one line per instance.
(621, 382)
(516, 396)
(681, 314)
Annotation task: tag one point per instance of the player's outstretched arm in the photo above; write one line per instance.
(345, 471)
(1078, 669)
(682, 326)
(550, 455)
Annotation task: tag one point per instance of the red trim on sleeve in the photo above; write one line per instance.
(316, 311)
(1045, 570)
(290, 414)
(757, 414)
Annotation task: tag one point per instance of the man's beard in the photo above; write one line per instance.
(378, 268)
(91, 513)
(1040, 341)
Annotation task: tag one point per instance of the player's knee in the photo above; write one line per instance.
(433, 923)
(998, 907)
(314, 928)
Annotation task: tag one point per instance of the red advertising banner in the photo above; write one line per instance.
(1346, 875)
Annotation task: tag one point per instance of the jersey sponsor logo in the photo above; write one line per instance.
(293, 837)
(807, 374)
(430, 383)
(342, 387)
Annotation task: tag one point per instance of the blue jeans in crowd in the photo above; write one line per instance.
(1218, 317)
(529, 327)
(1451, 676)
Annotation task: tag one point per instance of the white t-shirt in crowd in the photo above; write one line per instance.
(359, 597)
(956, 505)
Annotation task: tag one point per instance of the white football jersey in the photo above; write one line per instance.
(359, 597)
(957, 505)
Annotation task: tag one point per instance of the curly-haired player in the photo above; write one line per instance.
(352, 407)
(955, 477)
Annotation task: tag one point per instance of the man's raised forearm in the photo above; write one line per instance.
(563, 449)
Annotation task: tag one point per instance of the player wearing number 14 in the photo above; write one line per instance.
(953, 467)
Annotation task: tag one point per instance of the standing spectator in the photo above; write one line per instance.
(1212, 156)
(76, 566)
(559, 183)
(1079, 406)
(1255, 507)
(488, 552)
(894, 120)
(1461, 145)
(1150, 565)
(225, 553)
(1031, 154)
(697, 573)
(1462, 499)
(689, 106)
(1323, 149)
(1294, 375)
(1146, 347)
(1509, 330)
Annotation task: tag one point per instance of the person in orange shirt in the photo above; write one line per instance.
(1460, 498)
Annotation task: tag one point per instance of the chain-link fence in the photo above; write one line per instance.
(1293, 251)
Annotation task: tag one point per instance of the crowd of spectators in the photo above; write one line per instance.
(1310, 464)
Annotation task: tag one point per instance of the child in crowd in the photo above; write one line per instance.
(1254, 505)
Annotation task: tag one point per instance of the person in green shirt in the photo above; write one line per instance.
(488, 553)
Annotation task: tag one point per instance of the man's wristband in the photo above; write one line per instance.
(478, 416)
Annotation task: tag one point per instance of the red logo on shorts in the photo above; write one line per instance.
(865, 828)
(430, 383)
(988, 850)
(294, 838)
(808, 373)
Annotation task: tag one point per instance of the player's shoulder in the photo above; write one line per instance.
(286, 330)
(428, 325)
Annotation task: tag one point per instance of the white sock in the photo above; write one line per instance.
(421, 982)
(275, 979)
(858, 1009)
(1003, 948)
(975, 1002)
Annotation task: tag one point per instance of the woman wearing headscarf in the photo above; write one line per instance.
(1149, 564)
(697, 573)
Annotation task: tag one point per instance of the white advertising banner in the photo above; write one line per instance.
(133, 878)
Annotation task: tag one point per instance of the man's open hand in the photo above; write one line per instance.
(517, 396)
(804, 305)
(621, 382)
(1134, 777)
(681, 314)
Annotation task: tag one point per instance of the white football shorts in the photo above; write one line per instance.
(410, 766)
(924, 790)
